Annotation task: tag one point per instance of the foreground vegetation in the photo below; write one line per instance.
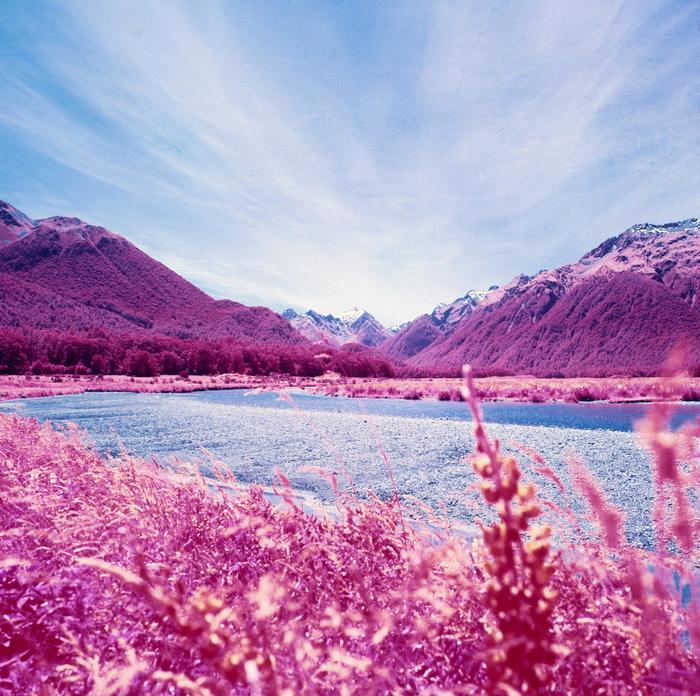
(121, 577)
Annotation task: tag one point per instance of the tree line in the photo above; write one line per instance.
(56, 352)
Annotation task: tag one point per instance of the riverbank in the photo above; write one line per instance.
(518, 389)
(254, 433)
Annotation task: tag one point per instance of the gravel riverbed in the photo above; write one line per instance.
(255, 437)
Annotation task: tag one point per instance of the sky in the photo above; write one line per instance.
(391, 155)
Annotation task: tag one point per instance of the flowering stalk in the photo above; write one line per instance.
(517, 591)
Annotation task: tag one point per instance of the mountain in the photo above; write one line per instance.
(446, 316)
(619, 310)
(411, 339)
(415, 336)
(63, 273)
(13, 224)
(353, 326)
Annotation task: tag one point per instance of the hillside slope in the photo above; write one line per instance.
(620, 309)
(70, 275)
(418, 334)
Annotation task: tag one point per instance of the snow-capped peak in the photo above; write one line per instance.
(449, 313)
(350, 316)
(649, 228)
(398, 327)
(356, 325)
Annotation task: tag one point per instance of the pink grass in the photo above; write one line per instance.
(624, 389)
(121, 577)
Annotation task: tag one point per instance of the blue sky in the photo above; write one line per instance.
(391, 155)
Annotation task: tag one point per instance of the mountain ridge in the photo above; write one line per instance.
(414, 336)
(562, 321)
(355, 325)
(71, 275)
(621, 308)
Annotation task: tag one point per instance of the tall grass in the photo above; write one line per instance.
(333, 384)
(121, 577)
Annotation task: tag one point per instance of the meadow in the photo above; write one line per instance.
(119, 576)
(525, 389)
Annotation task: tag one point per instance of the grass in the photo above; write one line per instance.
(121, 577)
(525, 389)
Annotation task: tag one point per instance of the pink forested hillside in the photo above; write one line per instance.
(69, 275)
(414, 336)
(620, 309)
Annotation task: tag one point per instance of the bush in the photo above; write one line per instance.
(583, 395)
(123, 354)
(139, 363)
(98, 366)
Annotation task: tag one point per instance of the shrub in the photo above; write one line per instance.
(170, 363)
(98, 365)
(141, 364)
(583, 394)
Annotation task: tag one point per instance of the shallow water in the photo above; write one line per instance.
(425, 441)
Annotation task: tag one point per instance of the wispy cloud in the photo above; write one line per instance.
(389, 155)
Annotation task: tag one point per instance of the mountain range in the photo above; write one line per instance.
(416, 335)
(353, 326)
(620, 309)
(398, 342)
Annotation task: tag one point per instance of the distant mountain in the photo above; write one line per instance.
(415, 336)
(65, 274)
(620, 309)
(353, 326)
(446, 316)
(411, 339)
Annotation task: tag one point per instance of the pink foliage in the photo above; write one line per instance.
(140, 355)
(123, 577)
(620, 310)
(70, 276)
(588, 331)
